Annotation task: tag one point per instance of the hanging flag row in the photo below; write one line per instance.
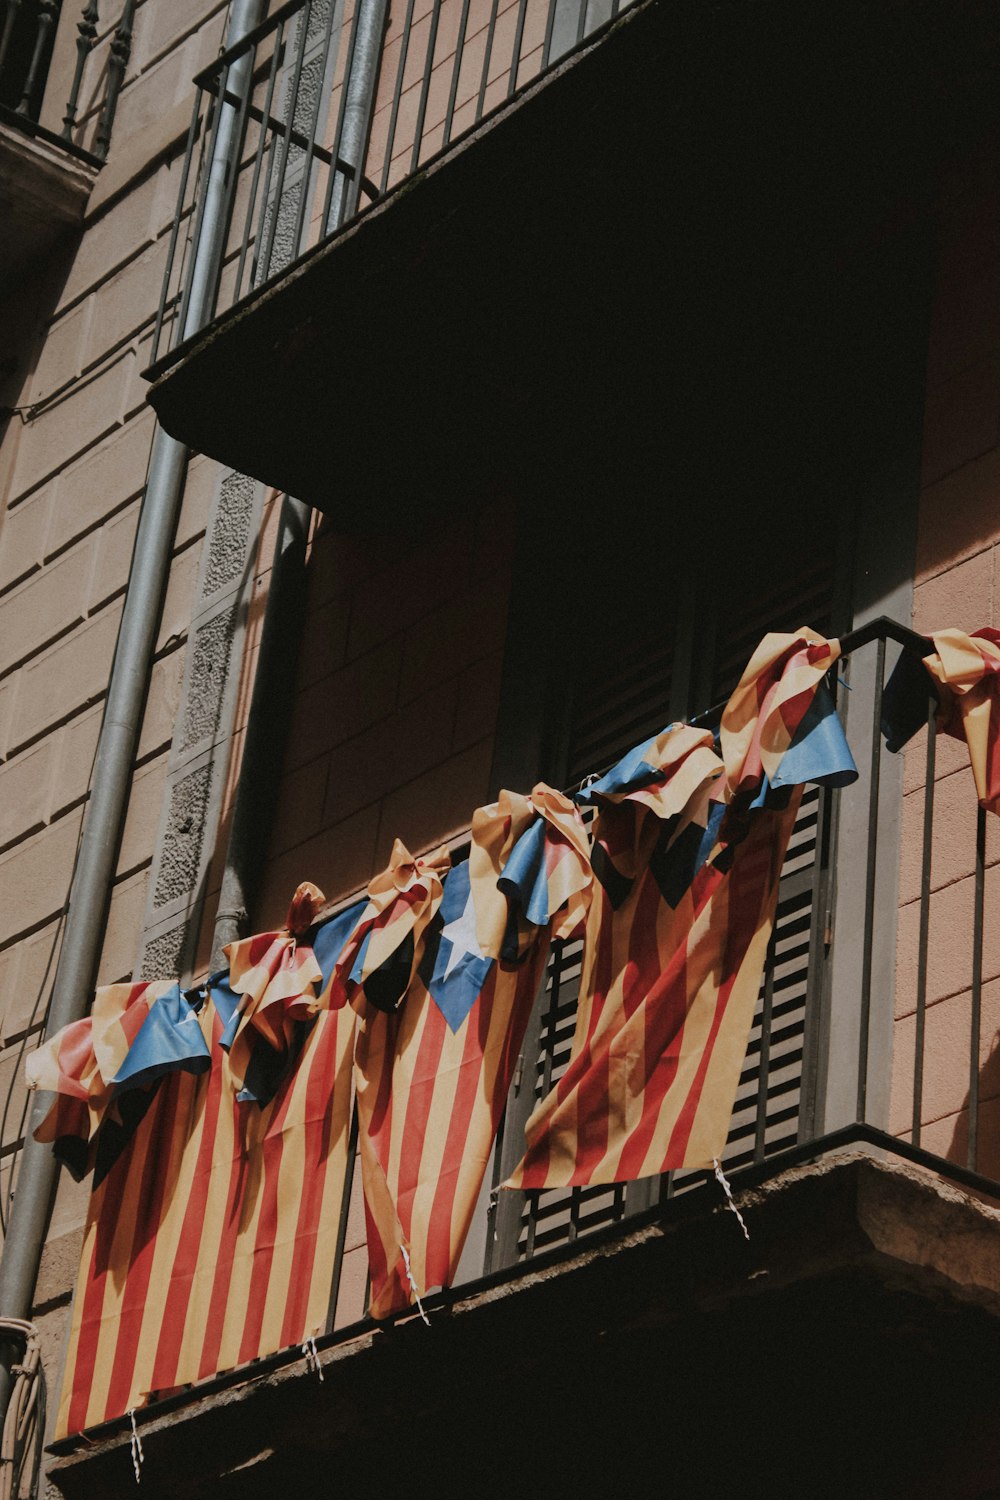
(217, 1120)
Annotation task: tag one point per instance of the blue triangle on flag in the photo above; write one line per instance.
(460, 968)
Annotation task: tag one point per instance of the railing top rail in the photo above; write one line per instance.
(883, 628)
(27, 126)
(206, 78)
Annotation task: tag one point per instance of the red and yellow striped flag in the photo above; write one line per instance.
(688, 848)
(771, 700)
(81, 1065)
(211, 1240)
(379, 956)
(968, 669)
(432, 1079)
(275, 975)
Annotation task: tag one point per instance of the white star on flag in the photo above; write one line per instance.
(461, 934)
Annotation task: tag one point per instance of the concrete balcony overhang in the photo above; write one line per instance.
(849, 1347)
(668, 245)
(44, 191)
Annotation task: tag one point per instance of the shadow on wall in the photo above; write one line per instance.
(25, 313)
(986, 1157)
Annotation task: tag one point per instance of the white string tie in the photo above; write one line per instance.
(413, 1284)
(312, 1357)
(723, 1183)
(137, 1454)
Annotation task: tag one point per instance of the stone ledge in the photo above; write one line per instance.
(45, 193)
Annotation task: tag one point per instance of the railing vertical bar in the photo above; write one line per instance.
(119, 54)
(267, 206)
(548, 1051)
(764, 1067)
(925, 916)
(573, 1229)
(13, 6)
(870, 869)
(264, 260)
(341, 112)
(615, 8)
(44, 23)
(425, 87)
(305, 196)
(345, 1212)
(550, 21)
(581, 23)
(193, 130)
(397, 93)
(463, 25)
(515, 59)
(259, 155)
(487, 59)
(208, 141)
(977, 986)
(234, 163)
(87, 35)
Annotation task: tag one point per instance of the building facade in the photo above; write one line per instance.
(590, 347)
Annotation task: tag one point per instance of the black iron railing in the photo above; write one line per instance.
(28, 48)
(330, 121)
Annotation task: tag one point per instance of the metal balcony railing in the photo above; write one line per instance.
(876, 966)
(320, 138)
(37, 45)
(879, 965)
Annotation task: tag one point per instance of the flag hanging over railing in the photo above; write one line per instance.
(432, 1078)
(688, 848)
(965, 678)
(134, 1034)
(211, 1239)
(275, 976)
(218, 1121)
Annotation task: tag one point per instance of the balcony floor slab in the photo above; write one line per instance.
(848, 1348)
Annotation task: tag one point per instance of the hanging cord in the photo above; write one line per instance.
(25, 1419)
(312, 1357)
(413, 1284)
(724, 1184)
(137, 1453)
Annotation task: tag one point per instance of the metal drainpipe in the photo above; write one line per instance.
(76, 970)
(358, 110)
(284, 614)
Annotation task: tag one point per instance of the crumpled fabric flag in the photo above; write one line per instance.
(769, 704)
(379, 956)
(965, 678)
(275, 975)
(133, 1036)
(432, 1078)
(211, 1239)
(688, 849)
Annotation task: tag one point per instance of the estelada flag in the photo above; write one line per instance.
(378, 958)
(965, 679)
(764, 714)
(134, 1035)
(432, 1077)
(688, 851)
(275, 976)
(211, 1239)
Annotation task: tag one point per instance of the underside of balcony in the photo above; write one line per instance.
(844, 1348)
(674, 246)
